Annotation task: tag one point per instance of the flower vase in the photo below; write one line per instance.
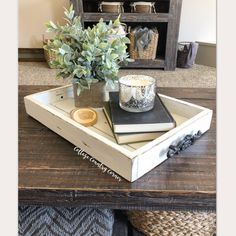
(93, 97)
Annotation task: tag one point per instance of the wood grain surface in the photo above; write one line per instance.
(51, 172)
(126, 17)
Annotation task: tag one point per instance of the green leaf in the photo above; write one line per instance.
(70, 12)
(71, 7)
(67, 59)
(79, 90)
(55, 43)
(117, 22)
(71, 15)
(53, 25)
(78, 72)
(96, 40)
(61, 51)
(66, 48)
(114, 56)
(94, 81)
(84, 83)
(125, 40)
(103, 45)
(108, 63)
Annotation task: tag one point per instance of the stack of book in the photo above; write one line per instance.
(129, 127)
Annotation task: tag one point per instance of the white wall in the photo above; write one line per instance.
(206, 54)
(198, 21)
(33, 14)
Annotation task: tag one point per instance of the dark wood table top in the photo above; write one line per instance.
(51, 172)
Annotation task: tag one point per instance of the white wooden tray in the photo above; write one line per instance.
(131, 161)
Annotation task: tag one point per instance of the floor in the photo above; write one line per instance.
(38, 73)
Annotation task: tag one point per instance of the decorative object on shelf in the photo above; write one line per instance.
(143, 7)
(137, 93)
(84, 116)
(186, 55)
(118, 32)
(143, 43)
(111, 7)
(87, 55)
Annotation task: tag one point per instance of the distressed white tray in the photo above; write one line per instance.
(132, 161)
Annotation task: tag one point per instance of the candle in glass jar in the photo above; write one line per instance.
(137, 93)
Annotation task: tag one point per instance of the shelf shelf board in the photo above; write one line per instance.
(142, 63)
(126, 17)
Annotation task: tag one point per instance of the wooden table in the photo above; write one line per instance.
(51, 172)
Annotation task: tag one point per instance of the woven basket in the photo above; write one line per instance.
(111, 7)
(143, 7)
(148, 53)
(178, 223)
(49, 55)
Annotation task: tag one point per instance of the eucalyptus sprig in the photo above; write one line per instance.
(87, 55)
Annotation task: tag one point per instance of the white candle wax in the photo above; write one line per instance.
(137, 80)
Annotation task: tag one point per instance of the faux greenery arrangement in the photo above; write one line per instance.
(87, 55)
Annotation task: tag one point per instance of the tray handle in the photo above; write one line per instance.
(187, 141)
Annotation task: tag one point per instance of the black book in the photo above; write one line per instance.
(157, 119)
(125, 138)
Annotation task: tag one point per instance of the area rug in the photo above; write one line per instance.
(62, 221)
(38, 73)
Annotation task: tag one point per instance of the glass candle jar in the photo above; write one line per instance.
(137, 93)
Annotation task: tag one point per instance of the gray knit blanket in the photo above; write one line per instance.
(62, 221)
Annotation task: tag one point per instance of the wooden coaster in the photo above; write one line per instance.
(84, 116)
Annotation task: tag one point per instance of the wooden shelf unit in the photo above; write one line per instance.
(167, 22)
(126, 17)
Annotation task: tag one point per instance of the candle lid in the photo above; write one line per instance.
(111, 3)
(142, 4)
